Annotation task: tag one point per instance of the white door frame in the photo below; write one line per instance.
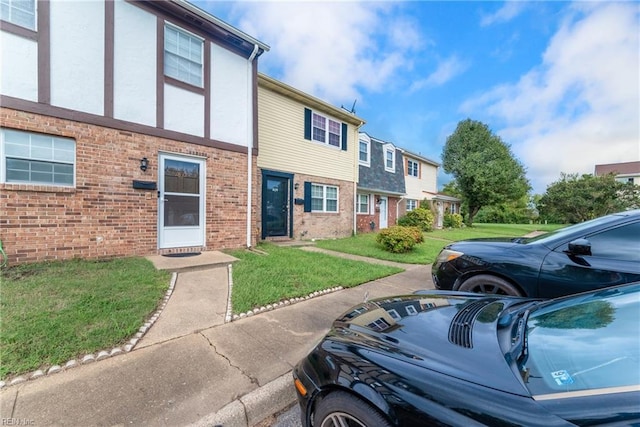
(186, 227)
(383, 215)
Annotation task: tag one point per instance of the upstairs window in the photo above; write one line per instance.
(413, 168)
(34, 158)
(390, 159)
(19, 12)
(324, 130)
(363, 153)
(183, 55)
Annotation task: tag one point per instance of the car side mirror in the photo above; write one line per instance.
(580, 247)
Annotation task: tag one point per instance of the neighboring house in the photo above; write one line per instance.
(308, 163)
(624, 172)
(381, 184)
(420, 179)
(127, 127)
(442, 204)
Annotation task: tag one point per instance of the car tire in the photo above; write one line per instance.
(486, 284)
(343, 409)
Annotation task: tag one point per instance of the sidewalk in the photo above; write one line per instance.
(192, 368)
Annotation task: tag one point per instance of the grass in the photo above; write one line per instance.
(426, 252)
(291, 272)
(54, 312)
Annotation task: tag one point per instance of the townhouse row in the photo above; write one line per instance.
(143, 127)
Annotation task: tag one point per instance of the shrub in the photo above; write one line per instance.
(452, 220)
(420, 217)
(398, 239)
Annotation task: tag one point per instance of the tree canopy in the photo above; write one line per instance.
(574, 198)
(485, 170)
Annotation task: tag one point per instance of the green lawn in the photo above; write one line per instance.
(54, 312)
(425, 253)
(292, 272)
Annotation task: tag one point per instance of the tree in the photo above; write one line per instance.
(485, 170)
(574, 198)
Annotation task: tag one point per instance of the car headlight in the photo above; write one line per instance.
(447, 255)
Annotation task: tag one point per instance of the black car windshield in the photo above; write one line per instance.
(586, 342)
(576, 228)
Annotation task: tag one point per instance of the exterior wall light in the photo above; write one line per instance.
(144, 164)
(296, 185)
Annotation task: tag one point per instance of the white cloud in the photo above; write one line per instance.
(581, 106)
(333, 50)
(506, 13)
(446, 70)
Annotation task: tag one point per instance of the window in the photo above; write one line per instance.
(364, 153)
(37, 159)
(324, 198)
(619, 244)
(19, 12)
(413, 168)
(362, 206)
(390, 159)
(183, 54)
(411, 205)
(411, 310)
(394, 315)
(326, 130)
(379, 325)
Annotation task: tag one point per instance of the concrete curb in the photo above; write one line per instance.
(255, 406)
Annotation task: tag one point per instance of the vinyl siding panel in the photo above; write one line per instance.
(426, 181)
(283, 147)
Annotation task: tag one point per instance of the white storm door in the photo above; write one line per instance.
(384, 213)
(181, 215)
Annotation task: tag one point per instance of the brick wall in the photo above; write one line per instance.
(363, 222)
(317, 225)
(103, 216)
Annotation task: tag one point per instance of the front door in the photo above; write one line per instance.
(384, 213)
(181, 214)
(276, 204)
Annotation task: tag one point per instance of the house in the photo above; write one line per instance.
(624, 172)
(127, 127)
(308, 164)
(420, 179)
(381, 184)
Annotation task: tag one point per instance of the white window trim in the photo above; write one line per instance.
(394, 315)
(411, 310)
(326, 130)
(389, 149)
(358, 204)
(324, 198)
(415, 204)
(189, 33)
(3, 161)
(35, 16)
(368, 161)
(409, 161)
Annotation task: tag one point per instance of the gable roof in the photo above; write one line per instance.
(408, 153)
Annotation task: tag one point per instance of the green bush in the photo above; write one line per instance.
(452, 220)
(420, 217)
(398, 239)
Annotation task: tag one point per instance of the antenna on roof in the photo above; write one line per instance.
(353, 107)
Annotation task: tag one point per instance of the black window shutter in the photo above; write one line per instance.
(307, 196)
(344, 136)
(307, 124)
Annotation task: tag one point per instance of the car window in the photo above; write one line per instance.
(585, 343)
(559, 234)
(621, 243)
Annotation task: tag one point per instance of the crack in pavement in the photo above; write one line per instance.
(253, 380)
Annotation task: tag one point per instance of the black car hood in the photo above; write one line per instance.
(449, 332)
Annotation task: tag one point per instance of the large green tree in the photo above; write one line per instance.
(485, 170)
(575, 198)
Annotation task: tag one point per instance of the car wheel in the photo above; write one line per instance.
(485, 284)
(340, 409)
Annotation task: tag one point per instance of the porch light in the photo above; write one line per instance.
(144, 164)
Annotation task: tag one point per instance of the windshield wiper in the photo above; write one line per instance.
(519, 352)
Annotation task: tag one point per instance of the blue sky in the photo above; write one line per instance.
(557, 81)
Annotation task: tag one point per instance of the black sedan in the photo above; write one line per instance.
(441, 358)
(594, 254)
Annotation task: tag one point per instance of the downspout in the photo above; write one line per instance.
(250, 126)
(398, 209)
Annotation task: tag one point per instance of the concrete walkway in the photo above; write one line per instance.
(192, 368)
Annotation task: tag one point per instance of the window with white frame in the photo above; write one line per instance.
(325, 130)
(413, 168)
(411, 204)
(183, 55)
(411, 310)
(35, 158)
(364, 153)
(390, 159)
(394, 315)
(324, 198)
(362, 206)
(19, 12)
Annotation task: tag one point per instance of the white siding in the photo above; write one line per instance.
(283, 147)
(183, 111)
(426, 182)
(134, 64)
(230, 105)
(77, 55)
(19, 65)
